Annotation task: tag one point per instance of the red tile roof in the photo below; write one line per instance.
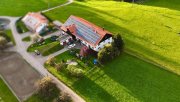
(100, 31)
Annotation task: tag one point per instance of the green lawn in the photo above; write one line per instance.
(27, 39)
(47, 48)
(164, 3)
(20, 26)
(21, 7)
(125, 79)
(5, 94)
(10, 36)
(151, 32)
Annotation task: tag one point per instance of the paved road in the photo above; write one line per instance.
(69, 2)
(21, 49)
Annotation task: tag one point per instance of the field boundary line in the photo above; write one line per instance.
(61, 5)
(149, 61)
(10, 88)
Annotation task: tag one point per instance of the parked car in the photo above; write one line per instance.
(54, 38)
(41, 40)
(70, 43)
(71, 46)
(37, 52)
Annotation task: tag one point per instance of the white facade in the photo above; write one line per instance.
(35, 22)
(100, 45)
(40, 28)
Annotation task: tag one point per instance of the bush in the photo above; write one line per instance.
(64, 98)
(51, 61)
(75, 71)
(60, 66)
(47, 89)
(118, 42)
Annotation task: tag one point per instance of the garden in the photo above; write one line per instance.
(46, 47)
(125, 78)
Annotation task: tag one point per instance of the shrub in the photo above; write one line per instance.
(46, 88)
(51, 61)
(75, 71)
(64, 98)
(60, 66)
(118, 42)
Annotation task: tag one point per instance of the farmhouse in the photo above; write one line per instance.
(87, 33)
(35, 22)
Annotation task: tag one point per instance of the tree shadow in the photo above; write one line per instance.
(174, 5)
(147, 82)
(92, 15)
(92, 91)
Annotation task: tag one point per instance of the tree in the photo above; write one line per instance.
(51, 61)
(60, 66)
(118, 42)
(75, 71)
(106, 54)
(3, 42)
(64, 98)
(46, 88)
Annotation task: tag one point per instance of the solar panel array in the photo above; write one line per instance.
(84, 31)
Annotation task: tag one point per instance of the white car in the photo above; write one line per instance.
(71, 46)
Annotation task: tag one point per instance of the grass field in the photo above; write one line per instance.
(5, 94)
(47, 48)
(125, 79)
(164, 3)
(151, 32)
(21, 7)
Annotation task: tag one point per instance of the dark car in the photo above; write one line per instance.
(54, 38)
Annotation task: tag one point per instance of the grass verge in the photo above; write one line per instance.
(5, 94)
(47, 48)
